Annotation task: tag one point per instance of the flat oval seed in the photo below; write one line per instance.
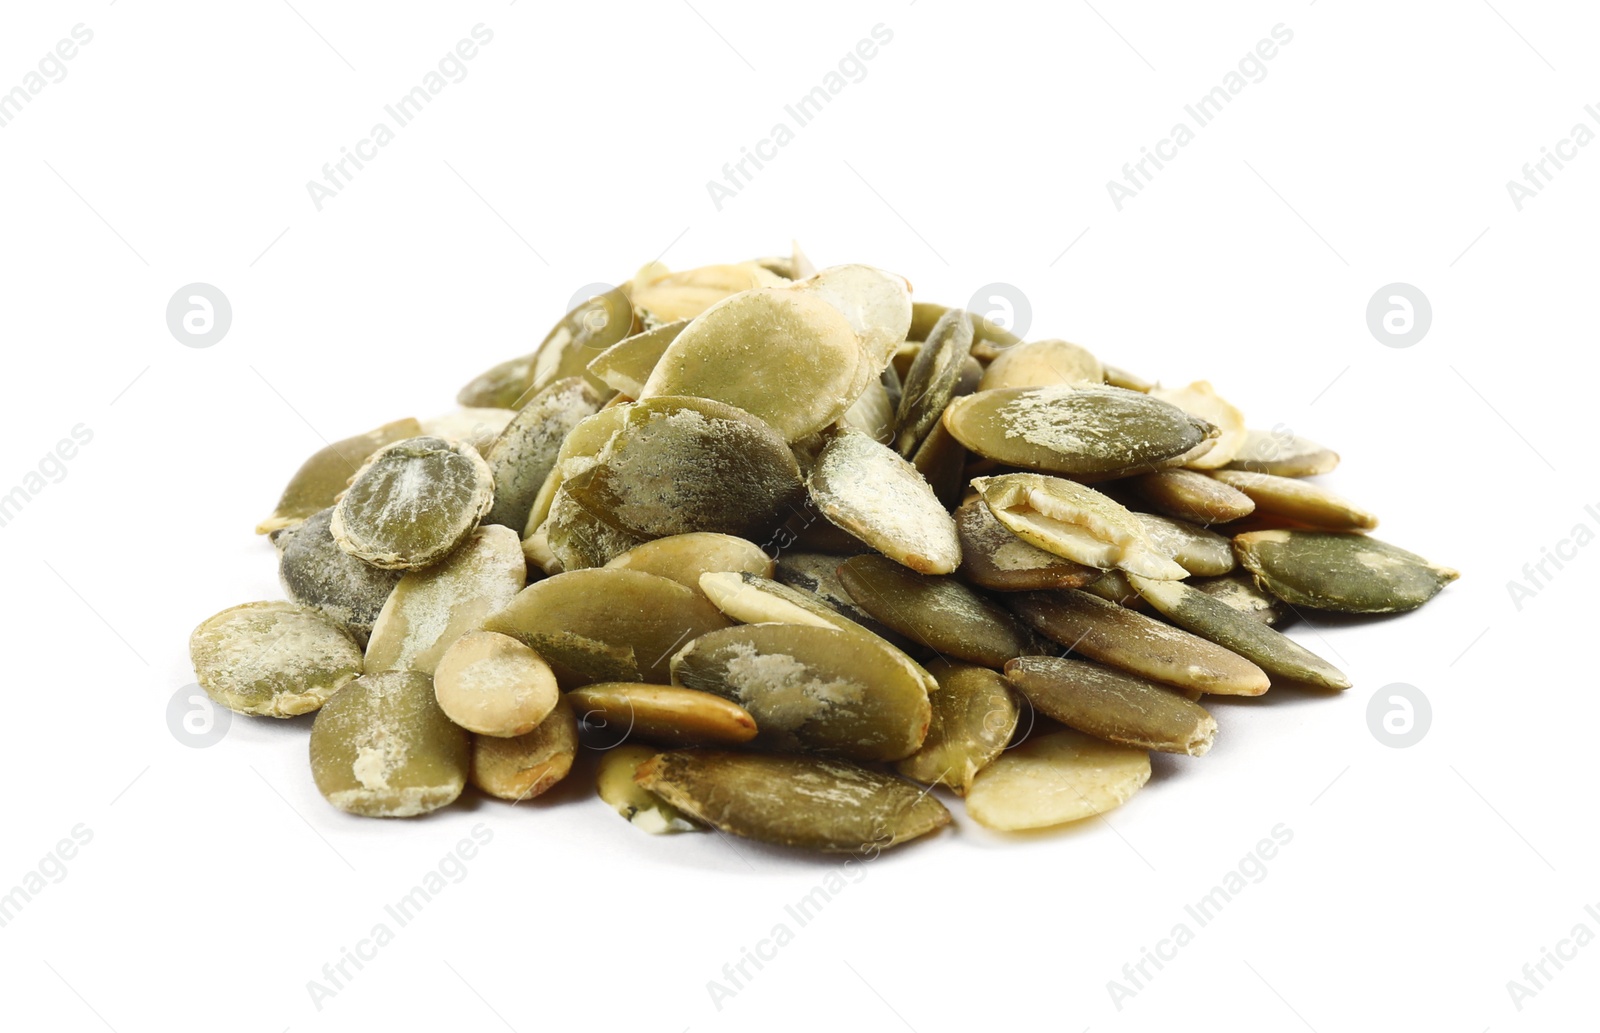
(1131, 641)
(1192, 496)
(665, 714)
(1216, 621)
(811, 688)
(525, 766)
(684, 557)
(1053, 779)
(1300, 501)
(942, 462)
(1074, 429)
(1281, 453)
(314, 571)
(931, 381)
(381, 747)
(577, 339)
(1042, 363)
(993, 557)
(974, 715)
(619, 766)
(1074, 521)
(1239, 591)
(413, 503)
(577, 453)
(320, 479)
(521, 458)
(579, 539)
(1200, 552)
(430, 609)
(627, 365)
(492, 684)
(785, 356)
(805, 802)
(274, 659)
(941, 612)
(876, 304)
(502, 386)
(1343, 573)
(1114, 706)
(869, 491)
(607, 625)
(818, 574)
(1201, 401)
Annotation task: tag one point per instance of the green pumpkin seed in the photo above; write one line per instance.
(1043, 363)
(1054, 779)
(502, 386)
(1129, 641)
(665, 714)
(876, 304)
(492, 684)
(1114, 706)
(1282, 454)
(684, 557)
(993, 557)
(1343, 573)
(817, 573)
(274, 659)
(577, 339)
(320, 479)
(869, 491)
(413, 503)
(479, 428)
(940, 612)
(576, 454)
(314, 571)
(942, 462)
(931, 381)
(579, 539)
(626, 366)
(1118, 377)
(1075, 429)
(974, 716)
(382, 748)
(1238, 590)
(805, 802)
(1201, 401)
(607, 625)
(1281, 657)
(1299, 501)
(787, 357)
(1192, 496)
(1074, 521)
(522, 457)
(525, 766)
(811, 688)
(619, 766)
(1200, 552)
(429, 609)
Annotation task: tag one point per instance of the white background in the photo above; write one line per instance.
(975, 150)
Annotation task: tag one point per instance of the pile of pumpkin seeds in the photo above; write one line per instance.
(791, 549)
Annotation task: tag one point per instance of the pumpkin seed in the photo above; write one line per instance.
(1118, 377)
(974, 716)
(1343, 573)
(1200, 552)
(274, 659)
(931, 381)
(806, 802)
(684, 557)
(1239, 591)
(579, 539)
(1053, 779)
(989, 339)
(479, 428)
(429, 609)
(876, 304)
(663, 714)
(869, 491)
(1043, 363)
(626, 366)
(524, 766)
(1201, 401)
(577, 453)
(1189, 495)
(1074, 521)
(491, 684)
(412, 503)
(619, 766)
(381, 747)
(1114, 706)
(1216, 621)
(1283, 454)
(314, 571)
(1299, 501)
(502, 386)
(521, 458)
(942, 462)
(1121, 638)
(993, 557)
(802, 373)
(1075, 429)
(317, 484)
(576, 340)
(872, 414)
(663, 296)
(941, 612)
(818, 574)
(811, 688)
(606, 625)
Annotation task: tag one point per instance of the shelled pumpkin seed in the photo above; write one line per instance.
(780, 524)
